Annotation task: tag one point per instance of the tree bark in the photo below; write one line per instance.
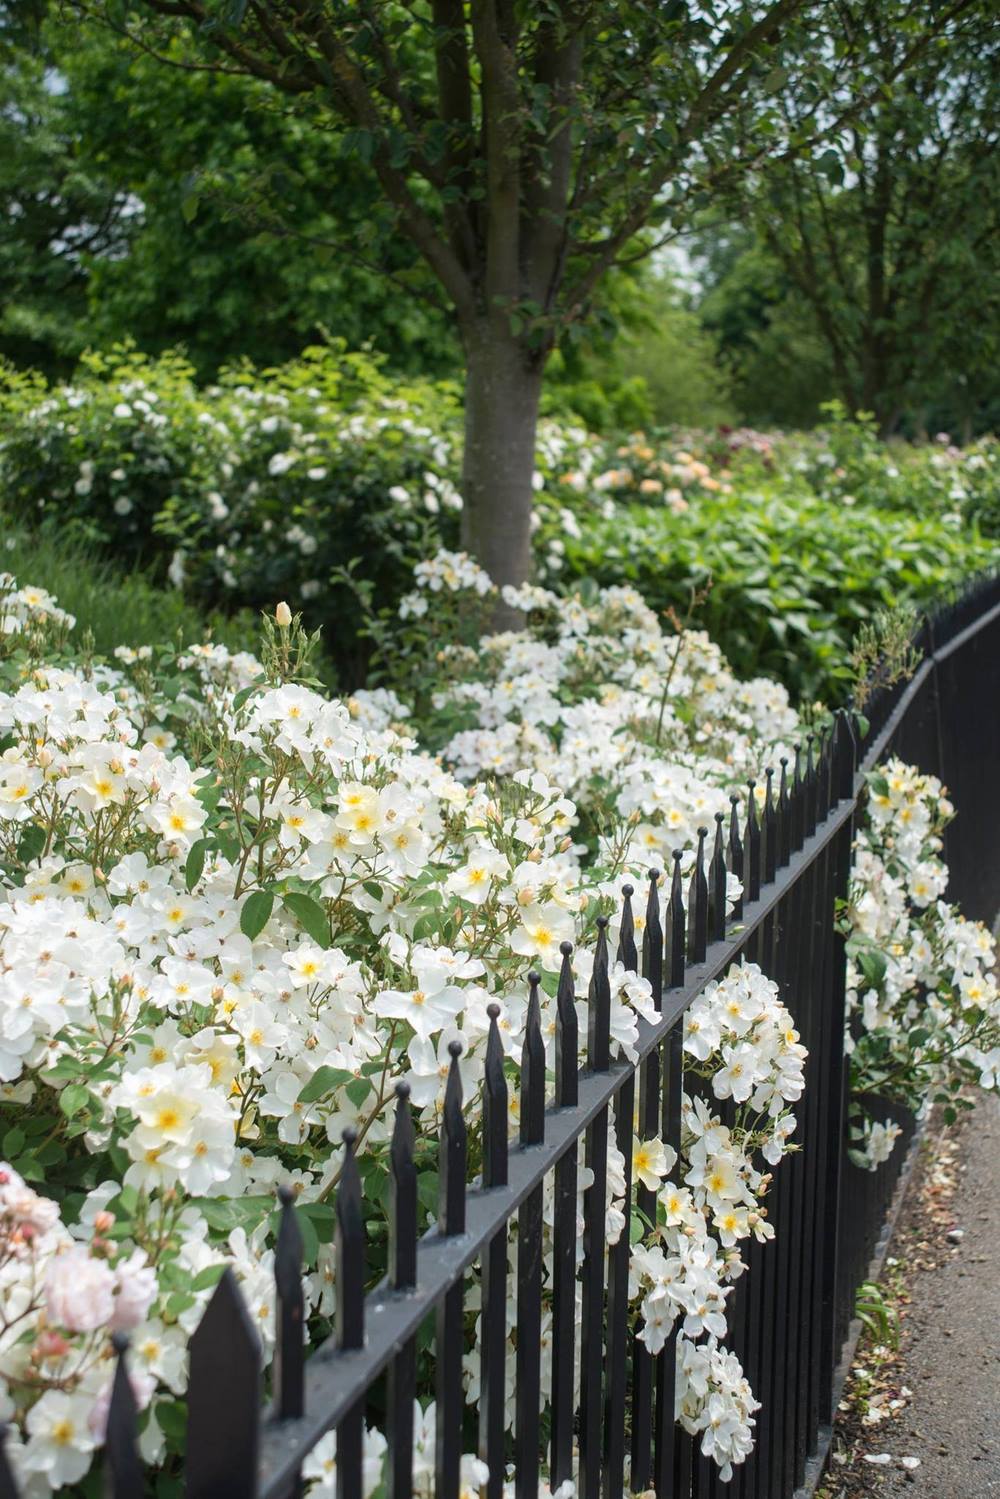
(503, 388)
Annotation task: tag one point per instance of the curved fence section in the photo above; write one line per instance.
(599, 1410)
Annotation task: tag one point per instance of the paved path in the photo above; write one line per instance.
(951, 1343)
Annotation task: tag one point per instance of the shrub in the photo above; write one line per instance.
(257, 488)
(324, 479)
(785, 579)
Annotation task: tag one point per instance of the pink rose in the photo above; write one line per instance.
(135, 1288)
(143, 1385)
(79, 1291)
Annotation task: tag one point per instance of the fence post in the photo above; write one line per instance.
(7, 1489)
(401, 1384)
(527, 1442)
(349, 1250)
(845, 761)
(449, 1403)
(122, 1468)
(564, 1233)
(594, 1212)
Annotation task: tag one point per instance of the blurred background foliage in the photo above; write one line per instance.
(185, 210)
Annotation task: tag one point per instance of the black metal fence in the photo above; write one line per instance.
(788, 1316)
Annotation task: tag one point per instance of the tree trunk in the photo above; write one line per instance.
(502, 392)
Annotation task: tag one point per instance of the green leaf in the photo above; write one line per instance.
(324, 1080)
(228, 846)
(73, 1098)
(873, 965)
(195, 863)
(13, 1143)
(31, 843)
(427, 1189)
(310, 915)
(226, 1213)
(358, 1090)
(256, 913)
(243, 696)
(172, 1416)
(208, 1278)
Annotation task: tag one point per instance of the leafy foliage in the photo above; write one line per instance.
(792, 575)
(324, 481)
(880, 243)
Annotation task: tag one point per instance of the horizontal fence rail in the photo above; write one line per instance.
(787, 1316)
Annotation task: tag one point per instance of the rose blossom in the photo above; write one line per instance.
(143, 1385)
(79, 1291)
(135, 1287)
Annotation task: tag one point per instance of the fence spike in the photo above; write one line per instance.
(784, 815)
(403, 1200)
(626, 936)
(289, 1352)
(810, 786)
(698, 904)
(452, 1153)
(495, 1107)
(752, 855)
(798, 803)
(846, 751)
(349, 1250)
(717, 884)
(819, 793)
(533, 1069)
(770, 828)
(567, 1034)
(652, 940)
(735, 857)
(599, 1004)
(122, 1467)
(223, 1399)
(829, 742)
(676, 926)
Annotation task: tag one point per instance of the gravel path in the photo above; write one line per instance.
(951, 1342)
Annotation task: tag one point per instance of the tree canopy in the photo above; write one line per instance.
(889, 236)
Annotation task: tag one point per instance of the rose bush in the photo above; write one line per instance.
(236, 912)
(922, 989)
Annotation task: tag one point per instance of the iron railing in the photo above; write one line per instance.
(788, 1315)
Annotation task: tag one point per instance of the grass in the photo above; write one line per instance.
(118, 608)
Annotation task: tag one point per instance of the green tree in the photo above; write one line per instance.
(888, 235)
(150, 203)
(56, 211)
(666, 346)
(258, 234)
(523, 147)
(763, 329)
